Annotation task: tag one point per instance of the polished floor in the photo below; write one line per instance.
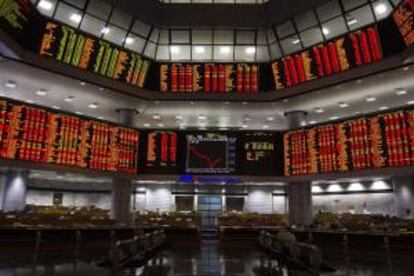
(189, 256)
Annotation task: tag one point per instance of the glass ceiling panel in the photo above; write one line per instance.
(319, 24)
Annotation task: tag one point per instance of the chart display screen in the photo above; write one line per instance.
(210, 153)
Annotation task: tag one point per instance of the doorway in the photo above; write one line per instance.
(209, 208)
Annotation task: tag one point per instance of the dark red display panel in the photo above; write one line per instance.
(385, 140)
(342, 54)
(403, 16)
(33, 134)
(210, 78)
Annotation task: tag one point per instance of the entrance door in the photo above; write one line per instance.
(209, 208)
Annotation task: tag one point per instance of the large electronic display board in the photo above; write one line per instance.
(29, 133)
(210, 153)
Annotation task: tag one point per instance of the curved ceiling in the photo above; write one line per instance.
(215, 15)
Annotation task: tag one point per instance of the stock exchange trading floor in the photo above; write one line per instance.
(191, 256)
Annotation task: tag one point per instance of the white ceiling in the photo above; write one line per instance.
(217, 114)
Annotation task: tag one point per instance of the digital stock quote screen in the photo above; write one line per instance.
(210, 153)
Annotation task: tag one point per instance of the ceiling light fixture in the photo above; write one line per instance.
(69, 99)
(147, 125)
(156, 117)
(370, 99)
(225, 50)
(410, 102)
(380, 9)
(269, 119)
(352, 21)
(29, 101)
(75, 17)
(319, 110)
(41, 92)
(325, 31)
(266, 126)
(10, 84)
(45, 5)
(295, 41)
(105, 30)
(334, 118)
(129, 40)
(56, 107)
(174, 49)
(78, 112)
(82, 83)
(250, 50)
(383, 108)
(343, 105)
(202, 117)
(400, 91)
(312, 122)
(160, 125)
(179, 117)
(94, 105)
(245, 126)
(200, 49)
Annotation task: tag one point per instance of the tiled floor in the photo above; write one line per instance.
(189, 256)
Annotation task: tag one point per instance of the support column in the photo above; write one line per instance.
(300, 203)
(15, 191)
(404, 196)
(296, 119)
(122, 186)
(299, 193)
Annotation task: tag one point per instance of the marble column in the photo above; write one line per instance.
(15, 191)
(299, 193)
(404, 196)
(300, 203)
(122, 185)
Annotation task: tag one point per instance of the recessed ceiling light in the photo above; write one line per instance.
(352, 21)
(56, 107)
(358, 112)
(343, 105)
(225, 50)
(383, 108)
(82, 83)
(370, 99)
(45, 5)
(160, 125)
(29, 101)
(270, 118)
(94, 105)
(10, 84)
(69, 99)
(334, 118)
(312, 122)
(400, 91)
(202, 117)
(174, 49)
(200, 49)
(250, 50)
(101, 118)
(245, 126)
(41, 92)
(59, 177)
(156, 117)
(295, 41)
(105, 30)
(75, 17)
(380, 9)
(410, 102)
(182, 126)
(78, 112)
(179, 117)
(147, 125)
(319, 110)
(325, 31)
(265, 126)
(129, 40)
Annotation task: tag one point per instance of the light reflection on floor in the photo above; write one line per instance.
(208, 257)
